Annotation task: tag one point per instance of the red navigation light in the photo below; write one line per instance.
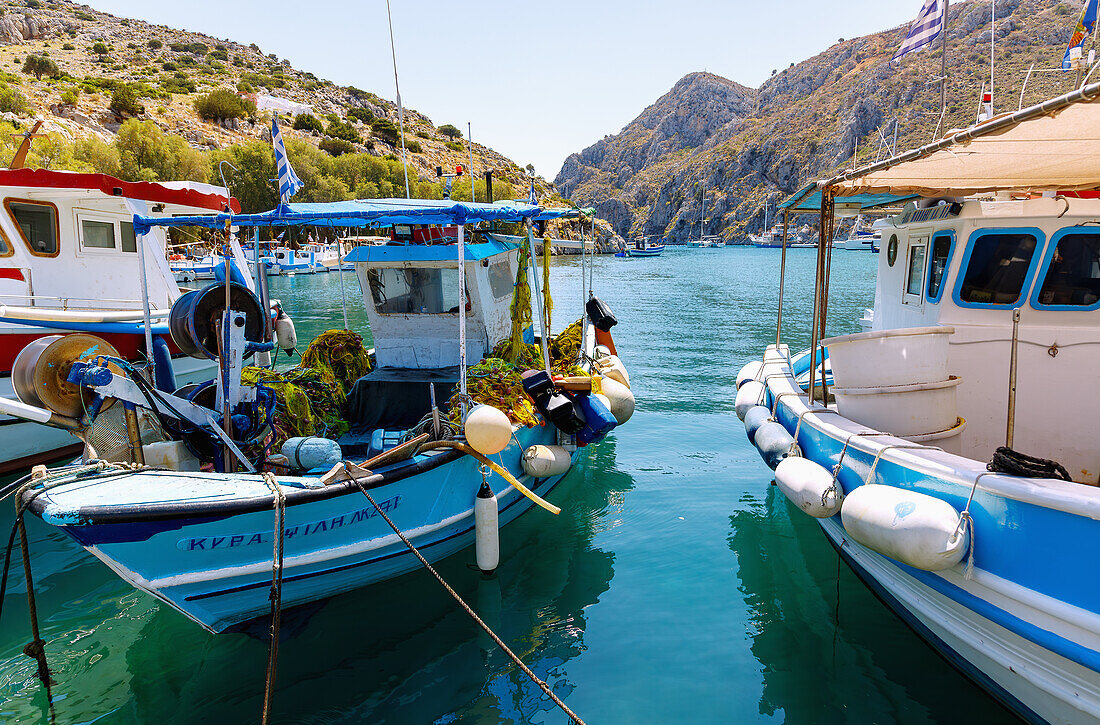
(987, 97)
(458, 170)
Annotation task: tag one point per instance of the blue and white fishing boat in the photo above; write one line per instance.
(201, 540)
(643, 248)
(951, 455)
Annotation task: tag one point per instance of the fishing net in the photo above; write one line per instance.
(547, 301)
(309, 399)
(520, 309)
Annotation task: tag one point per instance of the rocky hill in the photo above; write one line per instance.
(737, 146)
(90, 54)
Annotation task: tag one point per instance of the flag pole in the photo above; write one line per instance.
(943, 58)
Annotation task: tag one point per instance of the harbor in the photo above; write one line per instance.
(772, 406)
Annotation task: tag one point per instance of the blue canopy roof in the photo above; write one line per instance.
(808, 199)
(426, 253)
(356, 213)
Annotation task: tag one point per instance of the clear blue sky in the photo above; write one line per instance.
(538, 80)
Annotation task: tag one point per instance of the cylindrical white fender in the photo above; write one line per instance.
(757, 416)
(306, 453)
(612, 367)
(809, 486)
(488, 429)
(911, 527)
(748, 395)
(284, 332)
(749, 371)
(774, 443)
(486, 526)
(620, 397)
(546, 461)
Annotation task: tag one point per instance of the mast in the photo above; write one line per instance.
(943, 58)
(400, 108)
(992, 47)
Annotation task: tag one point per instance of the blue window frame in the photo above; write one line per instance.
(942, 247)
(998, 267)
(1069, 278)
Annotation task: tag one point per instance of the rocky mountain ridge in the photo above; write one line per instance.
(712, 140)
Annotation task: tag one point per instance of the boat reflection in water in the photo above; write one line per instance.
(397, 652)
(830, 651)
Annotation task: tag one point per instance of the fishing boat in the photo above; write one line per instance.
(70, 261)
(949, 453)
(445, 454)
(642, 248)
(861, 238)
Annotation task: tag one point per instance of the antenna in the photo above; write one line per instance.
(470, 146)
(400, 108)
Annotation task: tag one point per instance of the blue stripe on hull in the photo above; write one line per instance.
(936, 643)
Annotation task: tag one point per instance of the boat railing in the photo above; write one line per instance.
(71, 303)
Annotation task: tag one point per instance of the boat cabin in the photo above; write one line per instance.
(970, 264)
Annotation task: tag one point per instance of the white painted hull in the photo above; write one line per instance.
(1035, 682)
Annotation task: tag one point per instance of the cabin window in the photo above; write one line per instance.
(500, 279)
(414, 290)
(916, 270)
(37, 224)
(937, 267)
(997, 266)
(129, 239)
(98, 235)
(1072, 275)
(6, 249)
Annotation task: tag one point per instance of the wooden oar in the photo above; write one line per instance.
(498, 469)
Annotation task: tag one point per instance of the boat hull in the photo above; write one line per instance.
(1026, 624)
(216, 570)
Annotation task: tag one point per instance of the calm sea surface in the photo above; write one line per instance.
(677, 585)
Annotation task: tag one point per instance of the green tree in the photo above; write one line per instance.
(251, 182)
(39, 66)
(360, 114)
(385, 130)
(124, 100)
(148, 154)
(343, 130)
(221, 104)
(154, 44)
(450, 131)
(336, 146)
(308, 122)
(100, 48)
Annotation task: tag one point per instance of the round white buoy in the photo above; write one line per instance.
(911, 527)
(749, 371)
(546, 461)
(486, 528)
(620, 397)
(488, 429)
(748, 395)
(612, 367)
(756, 416)
(809, 486)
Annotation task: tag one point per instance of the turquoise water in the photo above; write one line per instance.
(677, 585)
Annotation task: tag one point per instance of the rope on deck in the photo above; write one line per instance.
(473, 615)
(276, 595)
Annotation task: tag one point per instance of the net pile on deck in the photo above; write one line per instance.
(310, 397)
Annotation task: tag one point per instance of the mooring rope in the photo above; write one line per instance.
(276, 595)
(473, 615)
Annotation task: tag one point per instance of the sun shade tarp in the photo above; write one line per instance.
(356, 213)
(563, 213)
(808, 199)
(1059, 152)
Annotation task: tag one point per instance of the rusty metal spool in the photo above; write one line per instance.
(40, 371)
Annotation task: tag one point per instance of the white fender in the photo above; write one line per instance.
(749, 371)
(620, 397)
(914, 528)
(486, 530)
(284, 332)
(809, 486)
(612, 367)
(546, 461)
(488, 429)
(748, 395)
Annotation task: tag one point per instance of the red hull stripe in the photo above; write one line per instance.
(143, 190)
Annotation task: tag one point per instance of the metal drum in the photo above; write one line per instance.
(40, 371)
(196, 316)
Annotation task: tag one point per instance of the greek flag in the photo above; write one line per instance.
(925, 29)
(289, 183)
(1081, 31)
(532, 199)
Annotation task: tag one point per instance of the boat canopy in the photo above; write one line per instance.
(1052, 146)
(564, 213)
(808, 199)
(427, 253)
(357, 213)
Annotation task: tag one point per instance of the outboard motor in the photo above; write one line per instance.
(558, 406)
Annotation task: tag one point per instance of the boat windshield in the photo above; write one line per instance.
(414, 290)
(1073, 277)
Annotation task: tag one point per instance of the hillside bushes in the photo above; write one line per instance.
(222, 104)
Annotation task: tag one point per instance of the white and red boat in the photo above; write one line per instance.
(69, 261)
